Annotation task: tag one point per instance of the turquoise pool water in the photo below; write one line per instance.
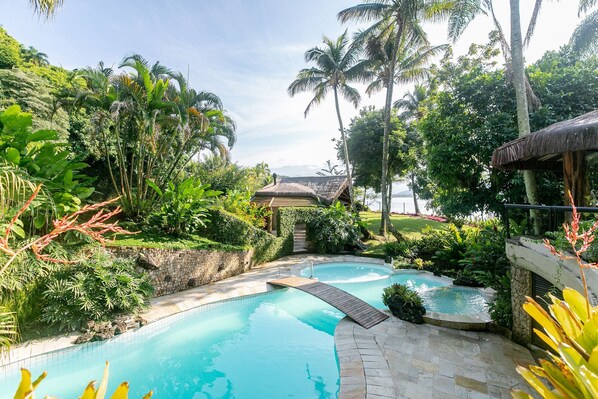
(274, 345)
(367, 281)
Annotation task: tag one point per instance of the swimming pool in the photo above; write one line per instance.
(366, 281)
(273, 345)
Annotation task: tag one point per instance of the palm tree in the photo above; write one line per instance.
(395, 22)
(412, 106)
(337, 64)
(34, 56)
(412, 103)
(412, 57)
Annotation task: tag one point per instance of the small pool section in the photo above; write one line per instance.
(274, 345)
(367, 281)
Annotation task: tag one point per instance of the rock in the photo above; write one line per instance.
(101, 327)
(103, 336)
(89, 325)
(119, 327)
(142, 322)
(146, 262)
(88, 336)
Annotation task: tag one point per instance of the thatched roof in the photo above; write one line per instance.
(324, 188)
(544, 148)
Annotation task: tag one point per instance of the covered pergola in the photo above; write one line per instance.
(569, 146)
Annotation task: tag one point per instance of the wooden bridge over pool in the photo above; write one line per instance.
(361, 312)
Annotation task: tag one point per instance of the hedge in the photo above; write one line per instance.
(288, 218)
(227, 228)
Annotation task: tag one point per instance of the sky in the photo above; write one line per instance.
(247, 52)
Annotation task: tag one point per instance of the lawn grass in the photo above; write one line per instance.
(153, 240)
(409, 226)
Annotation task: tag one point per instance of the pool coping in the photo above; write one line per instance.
(249, 283)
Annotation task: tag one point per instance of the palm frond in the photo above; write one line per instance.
(367, 12)
(532, 22)
(46, 8)
(462, 14)
(584, 39)
(585, 5)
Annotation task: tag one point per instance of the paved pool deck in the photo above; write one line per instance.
(394, 359)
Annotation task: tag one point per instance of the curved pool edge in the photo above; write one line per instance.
(249, 283)
(465, 322)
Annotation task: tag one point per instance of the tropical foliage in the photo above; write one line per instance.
(98, 288)
(150, 124)
(334, 229)
(404, 303)
(45, 159)
(462, 125)
(184, 207)
(239, 203)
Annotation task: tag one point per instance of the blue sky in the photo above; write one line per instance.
(247, 52)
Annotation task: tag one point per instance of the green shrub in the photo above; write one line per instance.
(500, 308)
(449, 257)
(334, 229)
(45, 158)
(184, 207)
(467, 278)
(428, 244)
(398, 249)
(229, 229)
(404, 303)
(98, 289)
(239, 203)
(10, 50)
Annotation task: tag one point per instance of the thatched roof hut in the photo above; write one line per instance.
(311, 190)
(570, 146)
(302, 191)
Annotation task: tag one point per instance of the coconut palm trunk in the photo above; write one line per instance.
(529, 178)
(415, 204)
(385, 223)
(345, 149)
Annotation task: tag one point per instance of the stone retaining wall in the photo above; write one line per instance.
(177, 270)
(521, 285)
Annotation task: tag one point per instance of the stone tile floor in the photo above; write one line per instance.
(396, 359)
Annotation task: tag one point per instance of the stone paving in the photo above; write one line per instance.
(396, 359)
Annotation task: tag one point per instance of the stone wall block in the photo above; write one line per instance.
(177, 270)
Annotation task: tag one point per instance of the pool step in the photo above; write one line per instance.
(360, 311)
(300, 238)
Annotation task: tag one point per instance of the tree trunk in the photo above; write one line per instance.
(385, 218)
(345, 149)
(416, 205)
(389, 207)
(529, 177)
(576, 179)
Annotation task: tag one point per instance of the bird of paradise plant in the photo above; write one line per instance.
(570, 330)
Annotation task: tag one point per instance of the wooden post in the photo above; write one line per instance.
(576, 179)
